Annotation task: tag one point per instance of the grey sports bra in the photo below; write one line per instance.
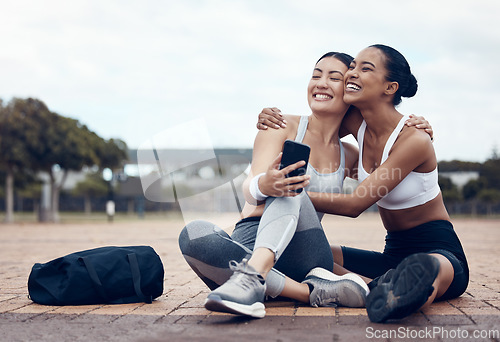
(322, 182)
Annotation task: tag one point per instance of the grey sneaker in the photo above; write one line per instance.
(333, 290)
(242, 294)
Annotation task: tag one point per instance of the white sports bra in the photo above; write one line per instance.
(415, 189)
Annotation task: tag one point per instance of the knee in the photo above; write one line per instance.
(192, 231)
(183, 239)
(445, 275)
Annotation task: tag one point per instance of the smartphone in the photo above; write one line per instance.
(294, 152)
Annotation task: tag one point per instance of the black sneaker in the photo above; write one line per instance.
(384, 278)
(407, 289)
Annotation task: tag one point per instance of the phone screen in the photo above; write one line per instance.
(294, 152)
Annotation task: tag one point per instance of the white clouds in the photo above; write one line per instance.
(130, 69)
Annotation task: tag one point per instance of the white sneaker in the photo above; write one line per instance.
(330, 289)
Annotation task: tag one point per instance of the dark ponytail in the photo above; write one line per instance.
(398, 70)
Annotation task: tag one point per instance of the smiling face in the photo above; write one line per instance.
(365, 81)
(326, 88)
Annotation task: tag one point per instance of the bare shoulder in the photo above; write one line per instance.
(289, 131)
(415, 146)
(415, 137)
(292, 121)
(269, 137)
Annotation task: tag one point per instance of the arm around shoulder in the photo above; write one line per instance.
(412, 153)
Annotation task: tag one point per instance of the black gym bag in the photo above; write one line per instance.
(105, 275)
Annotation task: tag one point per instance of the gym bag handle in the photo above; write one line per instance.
(136, 277)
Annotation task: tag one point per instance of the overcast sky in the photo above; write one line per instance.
(132, 69)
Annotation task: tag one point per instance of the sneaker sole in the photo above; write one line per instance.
(324, 274)
(409, 288)
(216, 303)
(347, 294)
(351, 290)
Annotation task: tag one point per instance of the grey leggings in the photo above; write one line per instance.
(289, 227)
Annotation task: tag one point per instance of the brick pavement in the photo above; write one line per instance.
(179, 313)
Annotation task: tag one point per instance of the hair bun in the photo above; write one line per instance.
(411, 87)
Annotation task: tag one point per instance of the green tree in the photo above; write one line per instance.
(458, 165)
(17, 132)
(112, 153)
(34, 137)
(93, 186)
(450, 192)
(490, 171)
(471, 190)
(53, 142)
(31, 188)
(490, 197)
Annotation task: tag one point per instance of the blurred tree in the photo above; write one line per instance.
(17, 132)
(33, 137)
(491, 197)
(93, 186)
(490, 171)
(70, 147)
(445, 183)
(112, 153)
(486, 187)
(450, 192)
(471, 190)
(458, 165)
(32, 189)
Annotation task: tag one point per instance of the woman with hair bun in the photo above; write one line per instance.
(423, 260)
(279, 247)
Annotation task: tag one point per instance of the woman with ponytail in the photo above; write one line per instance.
(423, 260)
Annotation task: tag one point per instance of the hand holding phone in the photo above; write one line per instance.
(294, 152)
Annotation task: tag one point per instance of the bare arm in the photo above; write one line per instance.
(413, 152)
(266, 159)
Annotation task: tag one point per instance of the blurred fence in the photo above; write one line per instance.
(221, 201)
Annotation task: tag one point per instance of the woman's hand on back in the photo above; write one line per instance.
(270, 117)
(421, 123)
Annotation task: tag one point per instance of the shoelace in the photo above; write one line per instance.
(241, 272)
(322, 299)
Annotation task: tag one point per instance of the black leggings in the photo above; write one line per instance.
(431, 237)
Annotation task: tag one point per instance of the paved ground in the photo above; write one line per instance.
(179, 313)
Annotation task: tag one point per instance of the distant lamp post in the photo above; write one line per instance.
(107, 175)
